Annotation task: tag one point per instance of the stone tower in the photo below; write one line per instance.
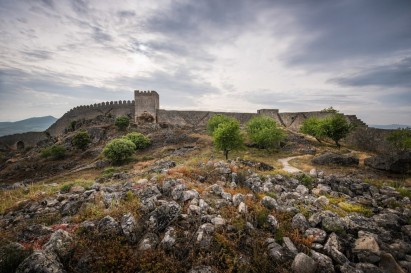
(146, 103)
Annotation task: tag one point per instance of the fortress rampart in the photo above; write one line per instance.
(114, 108)
(146, 104)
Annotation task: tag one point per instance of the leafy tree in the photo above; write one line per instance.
(336, 128)
(140, 140)
(312, 126)
(263, 131)
(214, 121)
(122, 122)
(400, 139)
(119, 150)
(81, 139)
(55, 152)
(227, 136)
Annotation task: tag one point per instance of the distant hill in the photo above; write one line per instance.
(390, 126)
(37, 124)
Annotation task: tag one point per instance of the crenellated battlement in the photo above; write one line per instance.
(146, 105)
(105, 104)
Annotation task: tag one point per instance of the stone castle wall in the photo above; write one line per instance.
(148, 101)
(21, 141)
(114, 108)
(195, 119)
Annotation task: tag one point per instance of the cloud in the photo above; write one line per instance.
(38, 54)
(391, 76)
(342, 31)
(100, 36)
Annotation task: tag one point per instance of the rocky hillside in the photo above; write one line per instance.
(178, 207)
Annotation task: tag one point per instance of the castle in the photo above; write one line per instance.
(145, 108)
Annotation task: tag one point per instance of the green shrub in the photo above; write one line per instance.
(119, 150)
(81, 139)
(400, 139)
(227, 136)
(122, 122)
(66, 188)
(335, 128)
(264, 133)
(214, 121)
(306, 180)
(55, 152)
(312, 126)
(140, 140)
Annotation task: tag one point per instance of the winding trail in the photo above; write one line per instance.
(287, 167)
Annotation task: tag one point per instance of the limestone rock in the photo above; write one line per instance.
(389, 265)
(325, 264)
(332, 158)
(41, 262)
(299, 222)
(149, 241)
(318, 235)
(303, 264)
(108, 226)
(399, 163)
(128, 226)
(60, 243)
(269, 202)
(162, 216)
(367, 249)
(169, 238)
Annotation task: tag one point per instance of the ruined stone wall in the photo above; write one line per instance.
(146, 102)
(24, 140)
(114, 108)
(196, 119)
(369, 139)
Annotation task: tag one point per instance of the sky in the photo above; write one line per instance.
(219, 55)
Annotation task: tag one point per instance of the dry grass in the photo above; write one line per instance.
(15, 197)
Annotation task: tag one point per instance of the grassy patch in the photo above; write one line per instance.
(349, 207)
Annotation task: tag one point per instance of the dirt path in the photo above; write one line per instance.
(287, 167)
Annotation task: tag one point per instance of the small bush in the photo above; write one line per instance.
(216, 120)
(119, 150)
(306, 180)
(140, 140)
(55, 152)
(264, 133)
(66, 188)
(400, 139)
(122, 122)
(335, 128)
(81, 139)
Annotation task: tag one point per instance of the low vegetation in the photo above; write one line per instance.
(122, 122)
(400, 139)
(227, 137)
(55, 152)
(335, 128)
(81, 139)
(264, 133)
(119, 150)
(141, 141)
